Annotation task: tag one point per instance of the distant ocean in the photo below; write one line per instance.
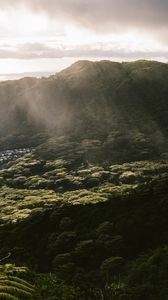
(15, 76)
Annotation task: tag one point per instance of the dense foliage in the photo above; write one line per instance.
(100, 229)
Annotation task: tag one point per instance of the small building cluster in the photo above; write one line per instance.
(8, 155)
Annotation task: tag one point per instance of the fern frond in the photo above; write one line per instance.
(17, 285)
(14, 291)
(5, 296)
(17, 279)
(13, 287)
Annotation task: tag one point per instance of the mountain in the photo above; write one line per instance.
(112, 111)
(84, 184)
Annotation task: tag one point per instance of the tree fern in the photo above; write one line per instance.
(15, 288)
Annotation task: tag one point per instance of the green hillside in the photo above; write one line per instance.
(84, 184)
(123, 107)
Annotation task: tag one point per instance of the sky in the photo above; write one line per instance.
(42, 37)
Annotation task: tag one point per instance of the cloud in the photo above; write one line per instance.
(107, 15)
(147, 17)
(98, 50)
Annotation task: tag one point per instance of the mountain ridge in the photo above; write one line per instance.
(122, 105)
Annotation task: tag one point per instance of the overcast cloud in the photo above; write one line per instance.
(101, 28)
(104, 15)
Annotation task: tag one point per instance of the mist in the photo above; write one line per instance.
(93, 101)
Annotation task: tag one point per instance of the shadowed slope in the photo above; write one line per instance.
(123, 106)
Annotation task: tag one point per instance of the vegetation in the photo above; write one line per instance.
(100, 111)
(95, 228)
(13, 287)
(83, 208)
